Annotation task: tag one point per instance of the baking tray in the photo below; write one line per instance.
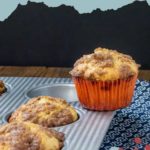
(85, 134)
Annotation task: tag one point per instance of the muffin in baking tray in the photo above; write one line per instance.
(105, 79)
(29, 136)
(2, 87)
(46, 111)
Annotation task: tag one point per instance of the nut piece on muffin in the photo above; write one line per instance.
(46, 111)
(105, 79)
(2, 87)
(25, 136)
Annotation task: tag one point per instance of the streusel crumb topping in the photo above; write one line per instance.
(105, 64)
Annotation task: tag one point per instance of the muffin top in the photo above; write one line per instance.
(29, 136)
(46, 111)
(105, 65)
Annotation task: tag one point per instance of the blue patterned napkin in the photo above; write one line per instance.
(130, 128)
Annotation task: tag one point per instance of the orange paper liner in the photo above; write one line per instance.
(105, 95)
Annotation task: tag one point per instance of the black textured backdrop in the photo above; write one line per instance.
(36, 34)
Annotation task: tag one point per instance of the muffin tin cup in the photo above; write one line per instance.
(105, 95)
(80, 113)
(65, 91)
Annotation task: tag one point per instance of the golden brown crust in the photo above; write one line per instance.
(29, 136)
(105, 64)
(46, 111)
(2, 87)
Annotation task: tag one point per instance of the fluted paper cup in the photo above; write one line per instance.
(105, 95)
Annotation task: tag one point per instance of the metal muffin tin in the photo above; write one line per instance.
(86, 133)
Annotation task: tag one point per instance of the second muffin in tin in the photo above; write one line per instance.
(46, 111)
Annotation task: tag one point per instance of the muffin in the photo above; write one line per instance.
(29, 136)
(105, 79)
(2, 87)
(46, 111)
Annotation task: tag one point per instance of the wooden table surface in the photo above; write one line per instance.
(16, 71)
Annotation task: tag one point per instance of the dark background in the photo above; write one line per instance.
(36, 34)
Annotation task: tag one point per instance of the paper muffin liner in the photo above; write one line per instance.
(105, 95)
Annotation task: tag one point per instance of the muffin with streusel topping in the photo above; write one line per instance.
(29, 136)
(105, 79)
(46, 111)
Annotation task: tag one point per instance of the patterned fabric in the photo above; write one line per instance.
(130, 128)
